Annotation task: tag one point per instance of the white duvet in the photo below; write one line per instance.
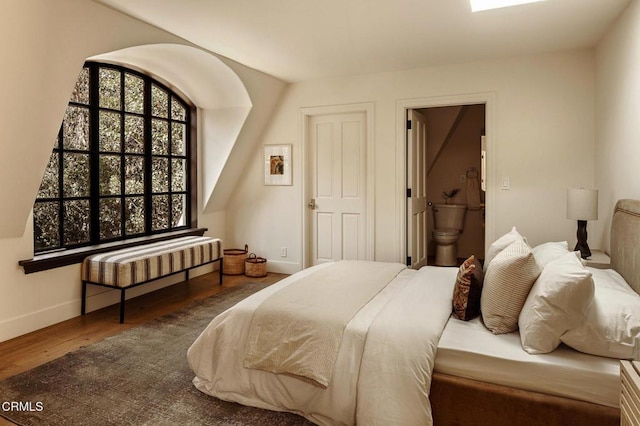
(382, 374)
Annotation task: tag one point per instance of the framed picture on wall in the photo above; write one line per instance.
(277, 165)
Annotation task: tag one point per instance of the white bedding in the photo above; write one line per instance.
(308, 320)
(469, 350)
(387, 372)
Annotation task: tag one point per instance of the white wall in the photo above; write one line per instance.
(543, 140)
(44, 46)
(617, 170)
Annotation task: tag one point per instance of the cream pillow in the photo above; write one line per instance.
(507, 282)
(557, 302)
(500, 244)
(612, 325)
(546, 252)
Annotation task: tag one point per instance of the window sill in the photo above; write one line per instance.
(43, 262)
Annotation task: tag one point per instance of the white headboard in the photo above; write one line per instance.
(625, 241)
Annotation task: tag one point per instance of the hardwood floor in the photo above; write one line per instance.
(31, 350)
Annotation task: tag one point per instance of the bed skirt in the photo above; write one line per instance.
(459, 401)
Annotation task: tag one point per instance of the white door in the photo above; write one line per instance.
(338, 178)
(416, 189)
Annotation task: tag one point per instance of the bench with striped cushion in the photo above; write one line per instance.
(133, 266)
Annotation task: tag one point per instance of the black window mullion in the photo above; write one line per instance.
(60, 189)
(94, 155)
(122, 156)
(148, 203)
(187, 169)
(170, 162)
(170, 173)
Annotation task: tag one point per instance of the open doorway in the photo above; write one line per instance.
(444, 176)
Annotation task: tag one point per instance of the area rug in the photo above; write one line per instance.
(138, 377)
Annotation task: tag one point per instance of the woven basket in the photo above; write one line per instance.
(255, 266)
(233, 263)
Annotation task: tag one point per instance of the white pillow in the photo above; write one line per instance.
(546, 252)
(507, 282)
(557, 302)
(500, 244)
(612, 325)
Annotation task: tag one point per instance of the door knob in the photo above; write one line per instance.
(312, 204)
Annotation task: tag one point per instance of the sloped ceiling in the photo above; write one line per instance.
(298, 40)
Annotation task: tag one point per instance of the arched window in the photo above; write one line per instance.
(121, 164)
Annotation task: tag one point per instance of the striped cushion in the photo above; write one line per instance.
(507, 283)
(125, 267)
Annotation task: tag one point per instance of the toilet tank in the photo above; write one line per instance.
(449, 216)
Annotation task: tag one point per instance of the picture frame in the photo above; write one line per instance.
(277, 165)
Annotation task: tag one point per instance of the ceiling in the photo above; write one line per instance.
(297, 40)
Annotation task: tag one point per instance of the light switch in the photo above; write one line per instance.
(505, 183)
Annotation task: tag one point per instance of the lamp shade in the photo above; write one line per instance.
(582, 204)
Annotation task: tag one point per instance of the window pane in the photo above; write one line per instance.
(80, 92)
(109, 137)
(133, 134)
(178, 210)
(178, 175)
(160, 212)
(110, 175)
(134, 215)
(49, 184)
(177, 110)
(159, 102)
(46, 221)
(76, 222)
(75, 132)
(159, 137)
(133, 94)
(178, 135)
(75, 174)
(159, 175)
(133, 175)
(110, 218)
(109, 88)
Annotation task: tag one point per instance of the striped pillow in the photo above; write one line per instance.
(507, 282)
(500, 244)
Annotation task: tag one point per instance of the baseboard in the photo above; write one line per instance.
(27, 323)
(283, 267)
(97, 298)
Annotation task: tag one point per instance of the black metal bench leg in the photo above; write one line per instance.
(220, 271)
(122, 298)
(84, 297)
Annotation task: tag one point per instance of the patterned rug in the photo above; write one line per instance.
(138, 377)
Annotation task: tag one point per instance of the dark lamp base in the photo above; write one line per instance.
(582, 245)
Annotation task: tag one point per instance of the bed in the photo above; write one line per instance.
(403, 359)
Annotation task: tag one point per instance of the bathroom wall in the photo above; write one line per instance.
(448, 168)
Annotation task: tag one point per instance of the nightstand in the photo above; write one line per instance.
(630, 393)
(599, 259)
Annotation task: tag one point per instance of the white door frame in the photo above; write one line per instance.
(401, 158)
(305, 115)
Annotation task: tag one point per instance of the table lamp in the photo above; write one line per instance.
(582, 205)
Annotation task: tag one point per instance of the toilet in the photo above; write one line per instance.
(448, 220)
